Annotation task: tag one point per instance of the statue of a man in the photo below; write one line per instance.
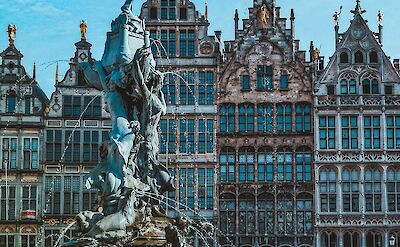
(12, 32)
(83, 27)
(263, 16)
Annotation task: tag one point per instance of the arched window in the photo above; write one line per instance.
(227, 212)
(304, 214)
(329, 240)
(247, 214)
(285, 165)
(265, 118)
(374, 239)
(303, 165)
(227, 161)
(303, 117)
(246, 118)
(284, 118)
(285, 214)
(246, 164)
(348, 84)
(11, 102)
(265, 165)
(352, 239)
(327, 189)
(359, 57)
(393, 189)
(344, 57)
(370, 84)
(266, 214)
(373, 57)
(373, 190)
(351, 190)
(227, 118)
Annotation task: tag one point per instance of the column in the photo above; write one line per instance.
(339, 201)
(317, 241)
(384, 191)
(340, 236)
(385, 239)
(363, 239)
(362, 192)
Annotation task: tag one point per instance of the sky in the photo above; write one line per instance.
(48, 29)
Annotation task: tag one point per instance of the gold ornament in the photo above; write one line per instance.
(83, 27)
(12, 32)
(263, 16)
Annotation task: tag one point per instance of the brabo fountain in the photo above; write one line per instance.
(129, 177)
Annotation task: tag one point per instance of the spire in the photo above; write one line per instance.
(34, 71)
(358, 10)
(206, 11)
(57, 73)
(236, 19)
(292, 26)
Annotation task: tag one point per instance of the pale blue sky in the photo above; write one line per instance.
(48, 29)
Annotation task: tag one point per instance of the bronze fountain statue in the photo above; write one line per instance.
(129, 177)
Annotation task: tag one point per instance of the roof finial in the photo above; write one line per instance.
(83, 27)
(57, 73)
(206, 11)
(380, 18)
(12, 32)
(358, 10)
(34, 71)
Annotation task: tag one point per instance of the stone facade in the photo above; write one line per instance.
(265, 134)
(182, 45)
(22, 110)
(357, 143)
(75, 126)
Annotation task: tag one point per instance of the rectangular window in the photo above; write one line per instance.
(167, 136)
(227, 166)
(53, 145)
(8, 239)
(284, 118)
(206, 88)
(187, 88)
(393, 132)
(264, 77)
(186, 136)
(29, 197)
(153, 13)
(303, 118)
(9, 153)
(327, 132)
(285, 166)
(284, 83)
(372, 132)
(168, 10)
(265, 167)
(7, 202)
(186, 188)
(304, 217)
(73, 146)
(206, 136)
(31, 153)
(92, 105)
(91, 146)
(349, 132)
(206, 188)
(187, 43)
(245, 82)
(154, 43)
(28, 105)
(11, 103)
(28, 240)
(303, 167)
(168, 41)
(183, 14)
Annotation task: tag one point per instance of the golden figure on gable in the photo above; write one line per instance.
(83, 27)
(12, 32)
(263, 16)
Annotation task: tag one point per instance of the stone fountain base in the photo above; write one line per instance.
(158, 233)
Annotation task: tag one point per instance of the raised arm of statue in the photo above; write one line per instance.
(127, 6)
(138, 75)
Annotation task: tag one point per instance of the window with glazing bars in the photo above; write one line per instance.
(349, 132)
(393, 132)
(9, 153)
(327, 131)
(372, 132)
(265, 77)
